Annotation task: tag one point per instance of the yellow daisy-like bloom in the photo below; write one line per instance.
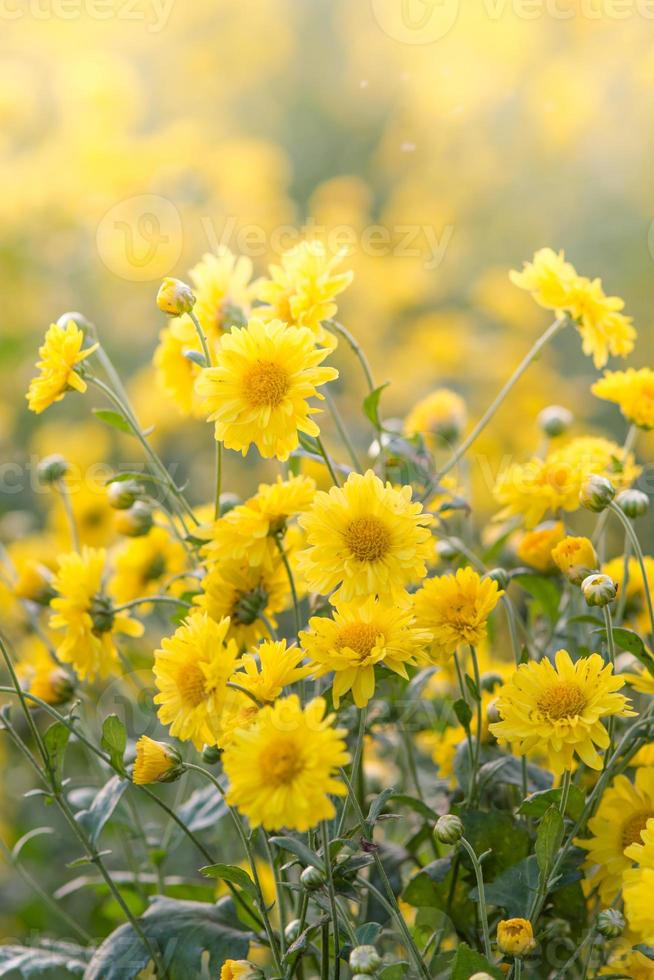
(156, 762)
(222, 288)
(365, 537)
(301, 290)
(637, 886)
(548, 485)
(636, 614)
(59, 356)
(441, 415)
(95, 518)
(628, 963)
(576, 558)
(622, 814)
(245, 592)
(557, 710)
(33, 581)
(281, 769)
(177, 375)
(535, 547)
(191, 671)
(244, 532)
(273, 667)
(515, 937)
(40, 675)
(455, 610)
(632, 391)
(84, 610)
(556, 285)
(361, 634)
(239, 970)
(258, 393)
(142, 564)
(239, 713)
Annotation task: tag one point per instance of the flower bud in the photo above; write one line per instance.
(499, 575)
(449, 829)
(211, 754)
(52, 469)
(599, 590)
(492, 713)
(240, 970)
(633, 503)
(515, 937)
(596, 493)
(360, 976)
(447, 551)
(312, 878)
(156, 762)
(576, 558)
(136, 521)
(481, 976)
(555, 420)
(228, 501)
(175, 297)
(123, 493)
(610, 923)
(292, 931)
(365, 960)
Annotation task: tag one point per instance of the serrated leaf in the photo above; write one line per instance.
(549, 838)
(114, 741)
(371, 405)
(96, 816)
(515, 888)
(300, 849)
(422, 890)
(538, 803)
(55, 740)
(468, 961)
(203, 809)
(49, 959)
(233, 874)
(114, 419)
(631, 643)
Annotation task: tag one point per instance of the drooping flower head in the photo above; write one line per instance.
(59, 356)
(455, 609)
(156, 762)
(191, 671)
(85, 611)
(365, 537)
(632, 391)
(558, 709)
(361, 634)
(281, 769)
(576, 558)
(258, 392)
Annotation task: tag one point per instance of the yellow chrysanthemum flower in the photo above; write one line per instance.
(636, 614)
(515, 937)
(361, 634)
(628, 963)
(548, 485)
(59, 356)
(556, 285)
(535, 547)
(191, 671)
(270, 669)
(40, 675)
(84, 610)
(557, 710)
(632, 391)
(301, 290)
(176, 374)
(576, 558)
(365, 537)
(258, 392)
(245, 532)
(245, 593)
(622, 814)
(143, 564)
(638, 886)
(156, 762)
(441, 415)
(239, 713)
(281, 769)
(223, 290)
(455, 610)
(239, 970)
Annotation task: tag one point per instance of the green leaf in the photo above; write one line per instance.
(646, 950)
(544, 591)
(495, 831)
(538, 803)
(114, 741)
(548, 840)
(368, 933)
(463, 712)
(55, 741)
(194, 939)
(515, 888)
(233, 874)
(468, 962)
(377, 806)
(421, 890)
(631, 642)
(114, 419)
(395, 971)
(300, 849)
(417, 805)
(50, 959)
(371, 405)
(203, 809)
(96, 816)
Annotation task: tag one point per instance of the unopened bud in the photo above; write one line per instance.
(447, 551)
(555, 420)
(123, 493)
(156, 762)
(610, 923)
(365, 960)
(599, 590)
(499, 575)
(633, 503)
(596, 493)
(175, 297)
(292, 930)
(136, 521)
(52, 469)
(211, 754)
(515, 936)
(449, 829)
(312, 878)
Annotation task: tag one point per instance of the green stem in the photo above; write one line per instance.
(167, 600)
(358, 350)
(342, 431)
(638, 551)
(542, 341)
(332, 900)
(217, 509)
(203, 339)
(70, 514)
(483, 913)
(565, 792)
(357, 766)
(328, 462)
(291, 582)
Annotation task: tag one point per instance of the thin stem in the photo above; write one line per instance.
(483, 913)
(291, 582)
(332, 899)
(478, 734)
(217, 510)
(168, 600)
(542, 341)
(70, 514)
(342, 431)
(203, 339)
(471, 751)
(358, 350)
(565, 791)
(328, 462)
(357, 765)
(638, 551)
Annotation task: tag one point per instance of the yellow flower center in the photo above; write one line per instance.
(367, 538)
(282, 762)
(632, 828)
(191, 684)
(359, 637)
(562, 700)
(265, 383)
